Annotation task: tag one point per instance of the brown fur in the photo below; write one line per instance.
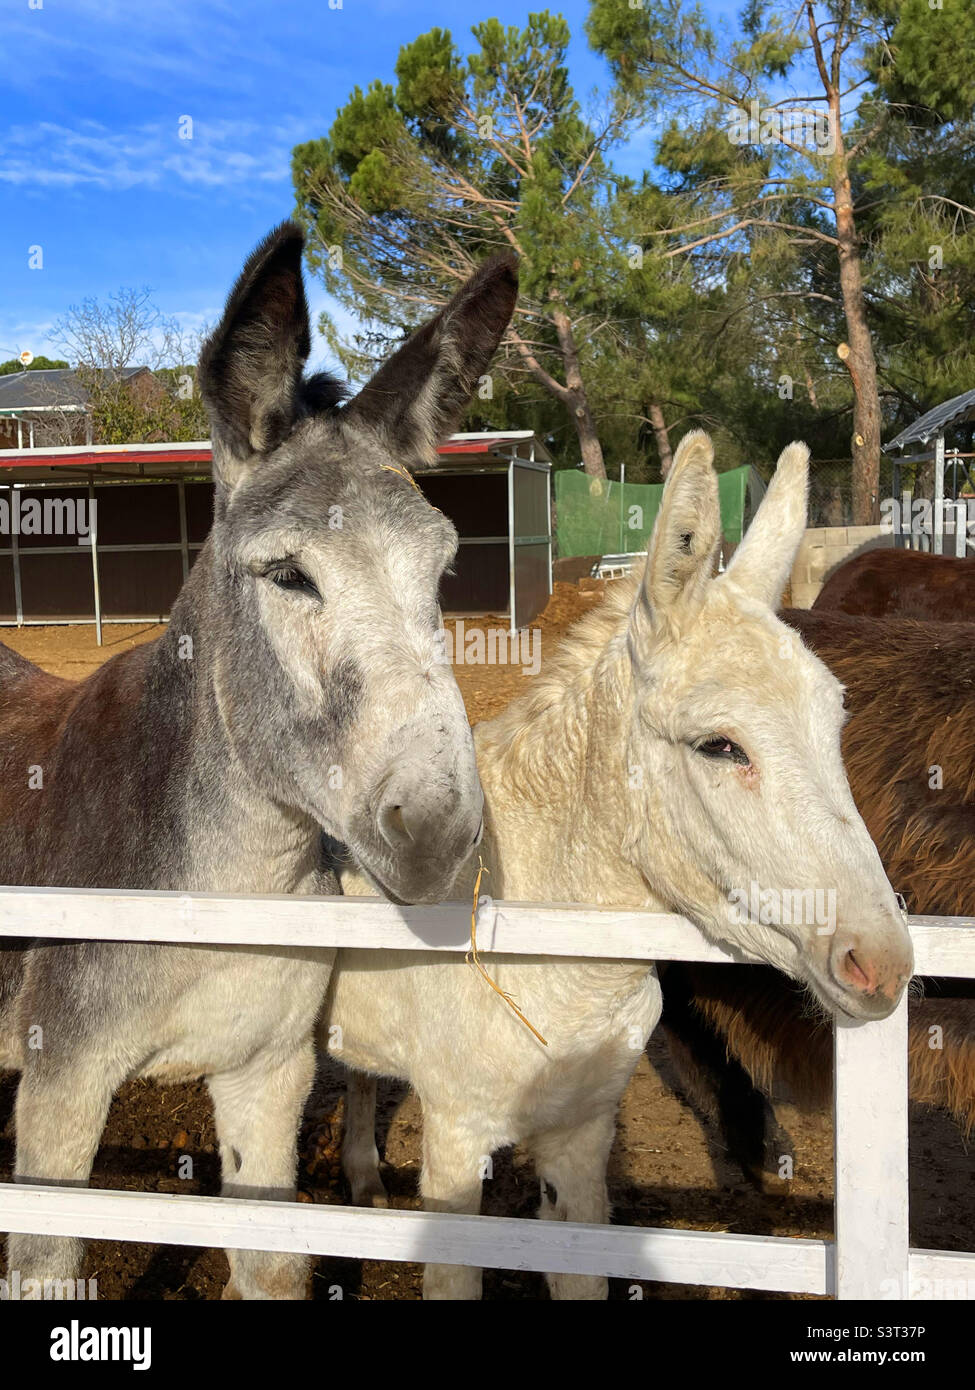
(765, 1028)
(910, 690)
(902, 583)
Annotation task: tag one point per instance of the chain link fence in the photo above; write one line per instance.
(831, 490)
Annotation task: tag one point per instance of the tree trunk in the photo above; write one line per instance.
(860, 360)
(577, 398)
(572, 395)
(589, 445)
(660, 435)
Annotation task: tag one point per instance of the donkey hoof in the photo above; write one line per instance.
(369, 1192)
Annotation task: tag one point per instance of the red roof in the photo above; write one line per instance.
(95, 457)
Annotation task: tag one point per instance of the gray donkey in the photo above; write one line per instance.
(300, 688)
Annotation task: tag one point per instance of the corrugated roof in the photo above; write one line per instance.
(99, 457)
(95, 457)
(48, 386)
(953, 412)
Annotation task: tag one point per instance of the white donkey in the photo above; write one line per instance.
(683, 746)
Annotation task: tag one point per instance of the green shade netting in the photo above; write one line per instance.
(591, 521)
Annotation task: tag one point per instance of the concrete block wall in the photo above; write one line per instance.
(822, 549)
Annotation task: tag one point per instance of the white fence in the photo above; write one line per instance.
(870, 1257)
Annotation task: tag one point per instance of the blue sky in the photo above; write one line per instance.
(92, 167)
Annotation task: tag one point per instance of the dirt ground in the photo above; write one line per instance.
(668, 1166)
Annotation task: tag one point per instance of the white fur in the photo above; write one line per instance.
(594, 793)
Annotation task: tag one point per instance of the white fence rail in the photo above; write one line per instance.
(870, 1257)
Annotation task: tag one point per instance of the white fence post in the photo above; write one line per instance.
(870, 1157)
(871, 1257)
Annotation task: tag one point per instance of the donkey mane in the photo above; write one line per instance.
(529, 739)
(322, 392)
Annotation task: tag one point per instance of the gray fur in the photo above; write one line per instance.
(214, 758)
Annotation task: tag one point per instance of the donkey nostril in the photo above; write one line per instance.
(855, 973)
(393, 825)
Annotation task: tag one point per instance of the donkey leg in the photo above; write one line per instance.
(257, 1109)
(454, 1157)
(59, 1118)
(571, 1165)
(360, 1157)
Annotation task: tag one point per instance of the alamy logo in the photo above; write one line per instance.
(784, 907)
(493, 646)
(798, 126)
(47, 516)
(13, 1289)
(916, 516)
(77, 1343)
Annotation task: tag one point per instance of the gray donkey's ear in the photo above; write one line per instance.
(251, 365)
(420, 394)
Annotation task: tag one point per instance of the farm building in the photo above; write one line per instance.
(496, 489)
(154, 504)
(50, 406)
(951, 473)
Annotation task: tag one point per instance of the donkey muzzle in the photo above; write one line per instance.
(433, 819)
(424, 817)
(871, 975)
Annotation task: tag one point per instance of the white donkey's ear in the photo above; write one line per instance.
(687, 531)
(763, 562)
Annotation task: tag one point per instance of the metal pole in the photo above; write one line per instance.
(895, 492)
(548, 513)
(961, 529)
(15, 561)
(622, 481)
(937, 543)
(93, 532)
(512, 592)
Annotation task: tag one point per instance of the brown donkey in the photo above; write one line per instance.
(300, 688)
(902, 584)
(910, 690)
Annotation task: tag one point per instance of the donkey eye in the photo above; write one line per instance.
(290, 577)
(717, 746)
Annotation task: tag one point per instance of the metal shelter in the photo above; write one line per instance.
(953, 477)
(152, 513)
(497, 490)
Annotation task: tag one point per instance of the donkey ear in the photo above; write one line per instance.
(420, 394)
(687, 531)
(250, 367)
(763, 561)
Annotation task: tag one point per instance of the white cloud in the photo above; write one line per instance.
(226, 46)
(16, 335)
(220, 153)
